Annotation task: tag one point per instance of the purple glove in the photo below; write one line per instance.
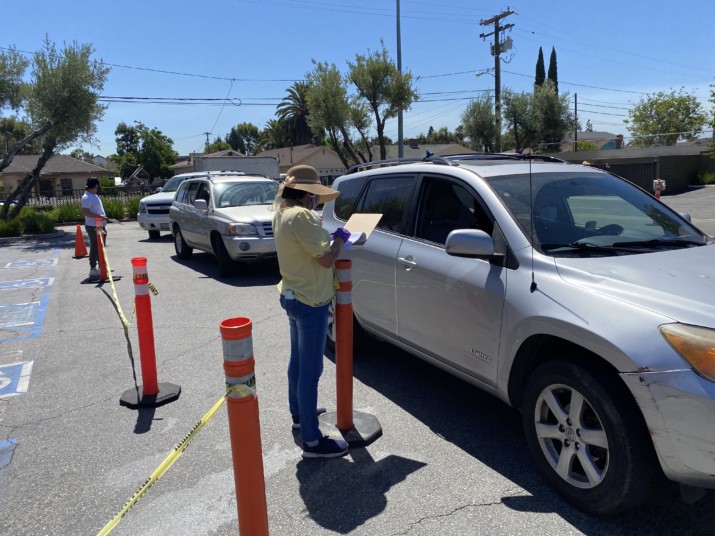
(341, 233)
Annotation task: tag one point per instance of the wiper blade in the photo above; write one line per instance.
(658, 242)
(586, 247)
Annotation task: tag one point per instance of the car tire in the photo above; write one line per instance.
(226, 265)
(359, 334)
(154, 235)
(597, 455)
(183, 251)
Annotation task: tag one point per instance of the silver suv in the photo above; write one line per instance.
(567, 292)
(227, 214)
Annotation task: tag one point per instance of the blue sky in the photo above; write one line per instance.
(246, 53)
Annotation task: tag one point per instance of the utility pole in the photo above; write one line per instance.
(207, 139)
(497, 48)
(400, 146)
(575, 114)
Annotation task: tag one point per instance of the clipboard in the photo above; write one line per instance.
(363, 223)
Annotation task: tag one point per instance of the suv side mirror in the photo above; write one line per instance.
(469, 243)
(201, 204)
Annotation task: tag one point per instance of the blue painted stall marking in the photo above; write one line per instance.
(15, 378)
(32, 264)
(27, 283)
(36, 327)
(19, 314)
(7, 447)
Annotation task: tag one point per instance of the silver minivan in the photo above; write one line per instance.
(227, 214)
(567, 292)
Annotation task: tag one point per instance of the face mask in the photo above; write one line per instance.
(313, 201)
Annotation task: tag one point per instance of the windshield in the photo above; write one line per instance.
(237, 194)
(592, 214)
(173, 184)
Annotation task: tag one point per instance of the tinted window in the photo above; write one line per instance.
(349, 192)
(181, 194)
(389, 196)
(236, 194)
(191, 191)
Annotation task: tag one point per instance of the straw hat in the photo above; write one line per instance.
(305, 178)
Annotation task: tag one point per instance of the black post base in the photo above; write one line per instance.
(366, 428)
(168, 392)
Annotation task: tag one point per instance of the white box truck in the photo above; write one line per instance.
(153, 215)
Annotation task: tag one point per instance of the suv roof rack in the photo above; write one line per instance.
(450, 160)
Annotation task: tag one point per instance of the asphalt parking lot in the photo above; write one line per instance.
(452, 460)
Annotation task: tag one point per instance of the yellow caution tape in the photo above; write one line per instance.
(111, 281)
(163, 467)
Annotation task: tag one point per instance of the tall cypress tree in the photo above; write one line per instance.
(540, 71)
(553, 72)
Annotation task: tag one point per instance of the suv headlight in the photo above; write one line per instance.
(142, 207)
(242, 229)
(695, 344)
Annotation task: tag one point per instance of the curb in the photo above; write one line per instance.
(49, 236)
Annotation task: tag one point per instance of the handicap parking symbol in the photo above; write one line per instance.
(15, 378)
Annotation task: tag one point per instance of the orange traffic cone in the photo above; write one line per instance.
(80, 249)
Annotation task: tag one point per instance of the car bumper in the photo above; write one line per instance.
(149, 222)
(251, 248)
(679, 409)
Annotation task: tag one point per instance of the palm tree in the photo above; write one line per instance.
(275, 135)
(293, 110)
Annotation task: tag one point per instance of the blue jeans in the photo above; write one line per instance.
(308, 329)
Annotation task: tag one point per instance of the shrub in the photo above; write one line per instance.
(11, 227)
(706, 177)
(132, 207)
(69, 212)
(113, 208)
(38, 223)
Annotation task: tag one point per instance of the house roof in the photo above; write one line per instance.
(590, 136)
(57, 165)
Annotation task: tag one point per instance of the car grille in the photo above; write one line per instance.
(267, 228)
(158, 209)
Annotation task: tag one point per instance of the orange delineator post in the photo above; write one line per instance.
(145, 326)
(344, 345)
(100, 249)
(80, 248)
(244, 426)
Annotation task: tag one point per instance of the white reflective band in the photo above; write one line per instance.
(344, 275)
(141, 289)
(343, 297)
(139, 270)
(238, 350)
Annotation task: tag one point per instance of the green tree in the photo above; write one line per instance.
(62, 104)
(664, 118)
(540, 70)
(217, 145)
(386, 90)
(12, 131)
(293, 111)
(519, 119)
(142, 146)
(244, 138)
(479, 124)
(552, 116)
(82, 155)
(275, 135)
(333, 112)
(553, 70)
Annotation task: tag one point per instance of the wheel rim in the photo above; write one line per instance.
(571, 436)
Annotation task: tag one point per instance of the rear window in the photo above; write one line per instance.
(349, 193)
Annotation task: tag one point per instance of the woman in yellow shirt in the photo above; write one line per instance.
(306, 260)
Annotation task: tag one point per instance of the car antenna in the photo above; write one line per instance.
(532, 287)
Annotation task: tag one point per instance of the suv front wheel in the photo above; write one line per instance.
(183, 251)
(587, 439)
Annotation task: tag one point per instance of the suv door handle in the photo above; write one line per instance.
(407, 262)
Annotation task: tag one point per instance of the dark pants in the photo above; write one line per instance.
(93, 251)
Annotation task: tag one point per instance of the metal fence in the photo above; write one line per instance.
(66, 196)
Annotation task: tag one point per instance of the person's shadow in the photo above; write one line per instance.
(341, 495)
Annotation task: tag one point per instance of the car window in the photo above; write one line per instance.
(191, 192)
(173, 184)
(592, 210)
(446, 206)
(203, 192)
(237, 194)
(349, 193)
(389, 196)
(181, 194)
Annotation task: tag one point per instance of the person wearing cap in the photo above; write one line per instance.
(306, 259)
(92, 209)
